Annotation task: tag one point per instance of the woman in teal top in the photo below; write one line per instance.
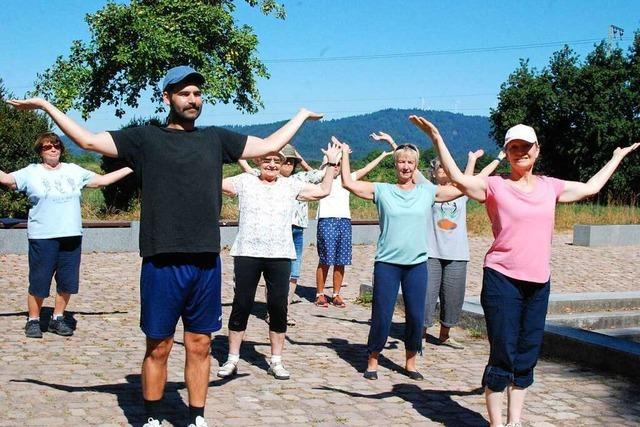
(401, 254)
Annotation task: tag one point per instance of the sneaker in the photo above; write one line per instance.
(338, 302)
(291, 321)
(450, 342)
(200, 422)
(371, 375)
(152, 422)
(57, 326)
(278, 371)
(228, 369)
(321, 301)
(514, 425)
(32, 329)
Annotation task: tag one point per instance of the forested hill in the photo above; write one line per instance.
(462, 133)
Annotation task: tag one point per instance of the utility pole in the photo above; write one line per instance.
(613, 33)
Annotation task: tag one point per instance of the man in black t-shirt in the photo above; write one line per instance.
(179, 171)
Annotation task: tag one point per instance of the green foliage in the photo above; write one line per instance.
(124, 195)
(581, 113)
(133, 45)
(18, 132)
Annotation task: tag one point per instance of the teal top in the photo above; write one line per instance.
(403, 216)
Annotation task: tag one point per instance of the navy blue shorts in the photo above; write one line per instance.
(59, 256)
(177, 285)
(334, 241)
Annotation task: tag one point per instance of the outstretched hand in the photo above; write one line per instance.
(426, 126)
(622, 152)
(476, 154)
(27, 104)
(343, 146)
(310, 115)
(334, 149)
(382, 136)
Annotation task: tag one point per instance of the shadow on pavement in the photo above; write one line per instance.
(436, 405)
(129, 397)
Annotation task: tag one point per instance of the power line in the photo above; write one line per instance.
(435, 52)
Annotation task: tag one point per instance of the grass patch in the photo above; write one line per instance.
(365, 299)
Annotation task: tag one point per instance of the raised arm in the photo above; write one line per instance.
(8, 180)
(574, 191)
(245, 166)
(360, 173)
(362, 189)
(99, 142)
(487, 170)
(257, 147)
(108, 178)
(303, 163)
(491, 167)
(227, 187)
(318, 191)
(472, 186)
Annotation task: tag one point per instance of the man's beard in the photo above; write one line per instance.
(180, 116)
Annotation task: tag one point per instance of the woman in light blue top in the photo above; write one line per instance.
(401, 255)
(54, 227)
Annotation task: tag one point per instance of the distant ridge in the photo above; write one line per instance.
(462, 133)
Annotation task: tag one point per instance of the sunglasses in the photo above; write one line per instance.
(267, 160)
(409, 146)
(47, 147)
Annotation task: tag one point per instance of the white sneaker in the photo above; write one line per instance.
(200, 422)
(514, 425)
(228, 370)
(278, 371)
(152, 422)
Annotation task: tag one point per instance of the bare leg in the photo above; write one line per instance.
(61, 303)
(515, 403)
(293, 284)
(235, 340)
(196, 367)
(277, 342)
(410, 364)
(372, 362)
(34, 305)
(154, 368)
(338, 276)
(321, 277)
(444, 332)
(493, 399)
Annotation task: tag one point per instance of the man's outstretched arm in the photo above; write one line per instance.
(101, 143)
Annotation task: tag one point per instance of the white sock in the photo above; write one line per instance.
(235, 358)
(57, 316)
(317, 295)
(34, 318)
(276, 359)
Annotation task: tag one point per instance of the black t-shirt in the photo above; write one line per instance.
(180, 177)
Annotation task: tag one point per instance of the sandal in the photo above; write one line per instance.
(338, 302)
(291, 321)
(321, 301)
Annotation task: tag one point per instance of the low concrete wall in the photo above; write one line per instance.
(124, 238)
(606, 235)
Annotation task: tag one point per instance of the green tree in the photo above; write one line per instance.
(132, 46)
(581, 112)
(18, 132)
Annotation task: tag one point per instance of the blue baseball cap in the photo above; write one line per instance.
(178, 74)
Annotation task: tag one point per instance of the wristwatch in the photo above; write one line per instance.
(332, 164)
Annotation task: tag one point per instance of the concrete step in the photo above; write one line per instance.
(598, 320)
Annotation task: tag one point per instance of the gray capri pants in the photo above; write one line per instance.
(447, 280)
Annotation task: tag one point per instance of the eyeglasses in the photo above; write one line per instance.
(47, 147)
(267, 160)
(290, 161)
(409, 146)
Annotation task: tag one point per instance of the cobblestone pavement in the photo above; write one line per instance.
(93, 377)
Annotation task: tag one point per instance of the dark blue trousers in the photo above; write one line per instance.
(515, 312)
(387, 279)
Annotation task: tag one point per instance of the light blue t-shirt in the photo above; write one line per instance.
(55, 199)
(403, 217)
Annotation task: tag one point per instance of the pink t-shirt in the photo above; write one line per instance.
(522, 225)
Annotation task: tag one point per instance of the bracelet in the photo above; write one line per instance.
(332, 164)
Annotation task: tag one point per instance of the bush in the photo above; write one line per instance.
(18, 132)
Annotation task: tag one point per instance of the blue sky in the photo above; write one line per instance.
(449, 56)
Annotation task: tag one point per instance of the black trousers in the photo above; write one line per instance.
(247, 271)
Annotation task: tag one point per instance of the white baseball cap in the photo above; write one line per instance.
(521, 132)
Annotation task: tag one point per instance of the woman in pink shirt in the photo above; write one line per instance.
(516, 280)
